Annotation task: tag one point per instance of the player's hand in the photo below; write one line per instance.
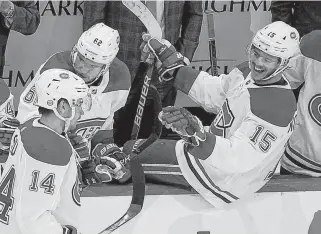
(116, 161)
(146, 55)
(181, 121)
(165, 54)
(93, 172)
(4, 6)
(7, 128)
(80, 144)
(68, 229)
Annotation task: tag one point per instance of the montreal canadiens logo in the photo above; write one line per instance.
(64, 76)
(293, 35)
(50, 103)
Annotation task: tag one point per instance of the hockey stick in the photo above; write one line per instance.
(141, 103)
(211, 37)
(153, 28)
(136, 168)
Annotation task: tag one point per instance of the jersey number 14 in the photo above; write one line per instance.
(6, 189)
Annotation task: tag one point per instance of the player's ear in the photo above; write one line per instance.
(63, 108)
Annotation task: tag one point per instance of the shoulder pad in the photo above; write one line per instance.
(59, 60)
(244, 68)
(4, 92)
(274, 105)
(310, 45)
(119, 76)
(45, 145)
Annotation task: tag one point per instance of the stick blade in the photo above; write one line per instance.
(146, 17)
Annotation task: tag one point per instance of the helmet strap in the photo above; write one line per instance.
(281, 68)
(101, 73)
(66, 120)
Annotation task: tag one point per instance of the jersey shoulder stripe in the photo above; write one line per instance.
(59, 60)
(119, 77)
(310, 45)
(274, 105)
(45, 145)
(186, 77)
(244, 68)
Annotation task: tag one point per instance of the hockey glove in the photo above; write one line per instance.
(68, 229)
(7, 128)
(181, 121)
(146, 55)
(81, 146)
(166, 54)
(116, 161)
(92, 172)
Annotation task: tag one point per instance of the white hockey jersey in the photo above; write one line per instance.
(6, 110)
(39, 189)
(6, 101)
(303, 152)
(246, 139)
(108, 96)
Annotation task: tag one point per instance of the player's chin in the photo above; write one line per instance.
(83, 75)
(258, 76)
(86, 78)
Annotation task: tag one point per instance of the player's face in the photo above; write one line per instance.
(262, 64)
(87, 69)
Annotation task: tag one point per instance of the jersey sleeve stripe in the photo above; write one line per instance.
(185, 79)
(300, 164)
(293, 151)
(301, 161)
(203, 180)
(205, 149)
(211, 181)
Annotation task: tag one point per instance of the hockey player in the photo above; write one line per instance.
(303, 153)
(93, 58)
(39, 189)
(256, 111)
(7, 122)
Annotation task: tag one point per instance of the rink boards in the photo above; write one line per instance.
(286, 204)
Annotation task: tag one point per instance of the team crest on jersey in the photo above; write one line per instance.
(88, 128)
(223, 120)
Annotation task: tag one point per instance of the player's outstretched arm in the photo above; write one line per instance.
(208, 91)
